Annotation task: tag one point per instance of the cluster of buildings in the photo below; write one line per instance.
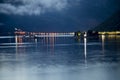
(78, 34)
(91, 33)
(42, 34)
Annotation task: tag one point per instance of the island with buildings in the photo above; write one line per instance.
(110, 26)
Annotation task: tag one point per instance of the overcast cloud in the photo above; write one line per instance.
(31, 7)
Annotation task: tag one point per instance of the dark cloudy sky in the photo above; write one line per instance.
(56, 15)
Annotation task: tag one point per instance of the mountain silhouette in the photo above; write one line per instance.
(111, 24)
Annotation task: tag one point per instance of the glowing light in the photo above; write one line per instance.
(103, 43)
(85, 47)
(85, 51)
(85, 35)
(109, 33)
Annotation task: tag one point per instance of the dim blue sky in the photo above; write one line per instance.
(56, 15)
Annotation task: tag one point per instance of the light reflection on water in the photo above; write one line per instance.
(60, 58)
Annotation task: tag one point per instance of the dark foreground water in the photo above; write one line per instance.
(60, 58)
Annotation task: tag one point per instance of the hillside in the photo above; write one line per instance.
(111, 24)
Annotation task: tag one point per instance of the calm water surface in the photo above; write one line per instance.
(60, 58)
